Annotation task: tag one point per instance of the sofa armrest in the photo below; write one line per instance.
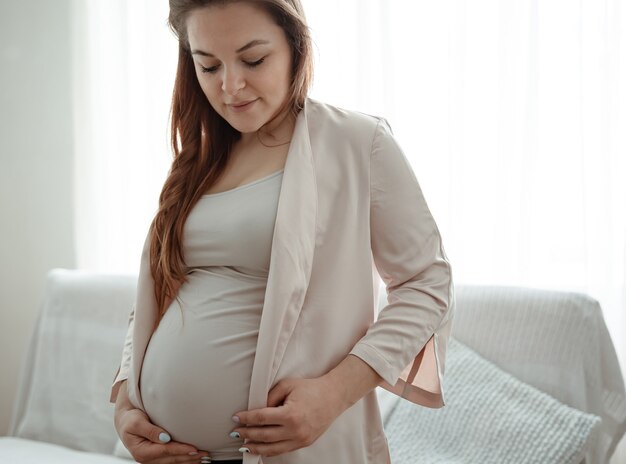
(75, 347)
(556, 341)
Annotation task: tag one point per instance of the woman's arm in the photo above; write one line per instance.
(146, 442)
(352, 379)
(122, 371)
(406, 345)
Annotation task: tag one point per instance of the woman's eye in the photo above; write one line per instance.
(211, 70)
(255, 63)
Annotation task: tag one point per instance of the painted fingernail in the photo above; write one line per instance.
(244, 450)
(234, 435)
(235, 418)
(164, 437)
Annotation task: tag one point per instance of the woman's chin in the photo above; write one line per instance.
(245, 127)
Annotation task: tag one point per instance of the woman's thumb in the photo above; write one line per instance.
(158, 435)
(277, 395)
(164, 437)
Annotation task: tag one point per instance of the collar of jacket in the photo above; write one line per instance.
(291, 260)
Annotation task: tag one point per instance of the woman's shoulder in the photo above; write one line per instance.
(334, 117)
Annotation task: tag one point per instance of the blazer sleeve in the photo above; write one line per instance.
(407, 344)
(122, 371)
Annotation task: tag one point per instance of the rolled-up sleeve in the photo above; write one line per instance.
(406, 345)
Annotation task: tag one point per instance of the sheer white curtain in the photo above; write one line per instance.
(513, 115)
(124, 68)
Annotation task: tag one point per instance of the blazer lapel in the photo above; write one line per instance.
(291, 261)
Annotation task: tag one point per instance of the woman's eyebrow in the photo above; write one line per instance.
(251, 44)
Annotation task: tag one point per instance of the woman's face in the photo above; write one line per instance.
(241, 56)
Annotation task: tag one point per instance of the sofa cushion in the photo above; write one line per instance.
(489, 416)
(23, 451)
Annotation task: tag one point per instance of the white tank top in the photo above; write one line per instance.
(197, 367)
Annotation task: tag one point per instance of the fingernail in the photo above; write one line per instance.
(234, 435)
(193, 453)
(235, 418)
(164, 437)
(244, 450)
(206, 460)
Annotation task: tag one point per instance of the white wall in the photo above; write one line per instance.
(36, 179)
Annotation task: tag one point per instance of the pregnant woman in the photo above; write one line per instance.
(254, 336)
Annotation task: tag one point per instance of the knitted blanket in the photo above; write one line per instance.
(489, 417)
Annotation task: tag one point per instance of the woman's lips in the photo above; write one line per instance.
(242, 107)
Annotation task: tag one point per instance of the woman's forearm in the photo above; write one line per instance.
(353, 378)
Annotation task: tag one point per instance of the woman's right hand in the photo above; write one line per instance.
(147, 443)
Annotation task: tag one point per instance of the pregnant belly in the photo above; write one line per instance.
(196, 372)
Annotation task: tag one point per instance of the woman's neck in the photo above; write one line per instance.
(277, 134)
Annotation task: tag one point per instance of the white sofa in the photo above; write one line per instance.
(554, 341)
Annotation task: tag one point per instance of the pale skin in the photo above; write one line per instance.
(241, 55)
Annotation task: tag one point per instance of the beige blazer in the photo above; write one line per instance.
(350, 209)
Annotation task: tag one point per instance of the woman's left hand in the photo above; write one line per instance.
(298, 412)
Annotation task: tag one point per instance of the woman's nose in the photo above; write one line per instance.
(232, 82)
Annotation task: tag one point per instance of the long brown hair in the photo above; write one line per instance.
(201, 139)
